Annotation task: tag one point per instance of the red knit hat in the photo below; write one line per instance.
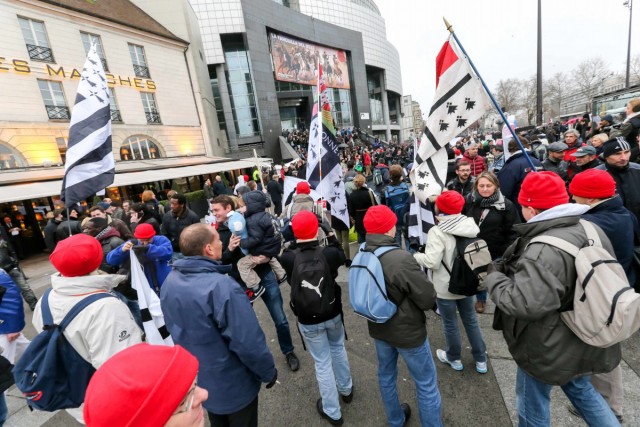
(140, 386)
(542, 190)
(379, 219)
(593, 184)
(77, 255)
(144, 231)
(303, 188)
(305, 225)
(450, 202)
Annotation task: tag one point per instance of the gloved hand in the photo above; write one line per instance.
(140, 249)
(273, 381)
(495, 266)
(421, 248)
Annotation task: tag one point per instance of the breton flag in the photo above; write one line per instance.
(421, 217)
(460, 100)
(152, 318)
(90, 166)
(324, 171)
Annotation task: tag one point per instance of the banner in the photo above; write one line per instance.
(296, 61)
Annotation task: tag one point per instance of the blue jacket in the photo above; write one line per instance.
(262, 239)
(512, 174)
(11, 308)
(209, 314)
(155, 261)
(620, 226)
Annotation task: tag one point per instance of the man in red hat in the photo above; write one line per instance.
(103, 328)
(530, 289)
(405, 334)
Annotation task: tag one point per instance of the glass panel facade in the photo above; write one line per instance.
(217, 99)
(139, 147)
(340, 101)
(243, 101)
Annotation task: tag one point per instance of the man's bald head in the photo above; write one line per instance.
(195, 238)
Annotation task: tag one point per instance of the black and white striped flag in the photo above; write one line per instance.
(90, 166)
(460, 100)
(420, 215)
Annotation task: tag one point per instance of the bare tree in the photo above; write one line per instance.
(508, 94)
(589, 76)
(530, 98)
(556, 88)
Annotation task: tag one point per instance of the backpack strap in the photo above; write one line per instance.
(383, 250)
(76, 309)
(557, 242)
(47, 318)
(592, 233)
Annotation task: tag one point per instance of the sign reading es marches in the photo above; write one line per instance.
(296, 61)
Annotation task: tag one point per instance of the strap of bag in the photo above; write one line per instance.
(483, 216)
(47, 318)
(592, 233)
(558, 243)
(383, 250)
(80, 306)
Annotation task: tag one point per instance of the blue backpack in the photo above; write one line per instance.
(367, 290)
(50, 373)
(397, 198)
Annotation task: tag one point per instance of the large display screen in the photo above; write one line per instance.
(296, 61)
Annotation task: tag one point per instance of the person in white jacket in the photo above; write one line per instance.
(440, 249)
(103, 328)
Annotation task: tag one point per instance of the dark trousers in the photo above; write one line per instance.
(245, 417)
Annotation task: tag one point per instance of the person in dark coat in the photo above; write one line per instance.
(515, 169)
(384, 171)
(218, 187)
(108, 237)
(50, 236)
(495, 216)
(149, 199)
(463, 182)
(140, 214)
(275, 190)
(176, 220)
(208, 190)
(360, 199)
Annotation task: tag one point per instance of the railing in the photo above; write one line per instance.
(115, 116)
(141, 71)
(58, 113)
(40, 53)
(153, 117)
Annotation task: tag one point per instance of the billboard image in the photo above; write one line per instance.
(296, 61)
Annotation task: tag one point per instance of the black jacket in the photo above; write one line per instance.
(50, 237)
(512, 174)
(8, 257)
(358, 202)
(219, 188)
(628, 187)
(464, 189)
(274, 188)
(262, 238)
(497, 227)
(173, 225)
(232, 257)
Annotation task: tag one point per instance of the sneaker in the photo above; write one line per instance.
(337, 422)
(349, 397)
(281, 281)
(292, 361)
(254, 294)
(481, 367)
(442, 356)
(407, 412)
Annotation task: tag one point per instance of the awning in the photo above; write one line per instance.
(34, 190)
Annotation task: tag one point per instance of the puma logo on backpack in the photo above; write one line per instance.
(312, 286)
(606, 310)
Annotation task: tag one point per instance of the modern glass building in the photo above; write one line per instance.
(262, 58)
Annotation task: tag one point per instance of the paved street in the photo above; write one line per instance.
(469, 399)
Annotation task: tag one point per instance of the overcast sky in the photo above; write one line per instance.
(500, 37)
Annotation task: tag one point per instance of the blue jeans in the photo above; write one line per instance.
(273, 300)
(325, 342)
(482, 296)
(451, 332)
(361, 237)
(423, 371)
(533, 396)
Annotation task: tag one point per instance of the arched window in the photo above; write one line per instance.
(10, 158)
(140, 147)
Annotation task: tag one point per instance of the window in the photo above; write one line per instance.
(35, 36)
(139, 147)
(10, 158)
(150, 107)
(90, 39)
(54, 100)
(113, 105)
(243, 103)
(139, 61)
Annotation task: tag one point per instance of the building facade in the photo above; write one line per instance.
(418, 120)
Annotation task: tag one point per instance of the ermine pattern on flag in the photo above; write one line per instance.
(324, 171)
(460, 100)
(89, 166)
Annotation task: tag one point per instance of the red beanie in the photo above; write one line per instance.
(379, 219)
(303, 188)
(542, 190)
(140, 386)
(77, 255)
(450, 202)
(593, 184)
(144, 231)
(305, 225)
(246, 179)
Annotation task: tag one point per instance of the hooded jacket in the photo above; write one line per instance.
(262, 238)
(410, 289)
(627, 185)
(99, 331)
(173, 225)
(11, 307)
(512, 174)
(536, 283)
(441, 248)
(209, 314)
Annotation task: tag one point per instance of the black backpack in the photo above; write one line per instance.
(51, 374)
(472, 257)
(313, 296)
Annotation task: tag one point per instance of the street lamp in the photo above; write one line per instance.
(629, 4)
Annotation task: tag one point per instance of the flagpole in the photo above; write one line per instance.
(255, 157)
(495, 103)
(320, 118)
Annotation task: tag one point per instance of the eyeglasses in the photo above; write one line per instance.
(187, 402)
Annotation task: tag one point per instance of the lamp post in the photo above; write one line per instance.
(629, 4)
(539, 70)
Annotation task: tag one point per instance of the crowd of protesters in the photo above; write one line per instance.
(207, 273)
